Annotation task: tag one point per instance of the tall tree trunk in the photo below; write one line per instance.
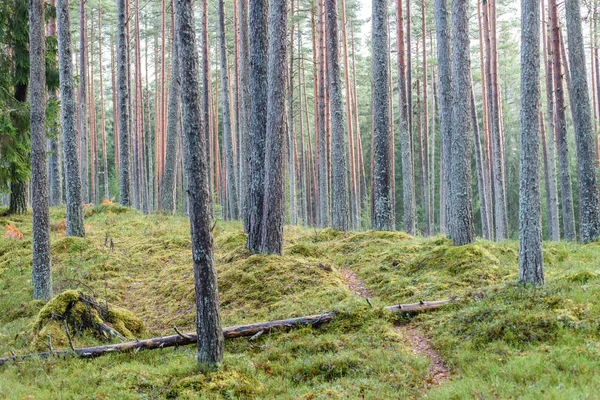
(74, 219)
(531, 260)
(340, 199)
(461, 217)
(589, 202)
(322, 149)
(479, 163)
(382, 213)
(102, 113)
(258, 45)
(53, 143)
(167, 197)
(92, 115)
(206, 82)
(245, 176)
(208, 320)
(225, 107)
(123, 104)
(41, 276)
(442, 29)
(82, 102)
(273, 207)
(291, 140)
(408, 183)
(566, 190)
(549, 144)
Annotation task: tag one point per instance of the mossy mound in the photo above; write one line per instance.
(83, 314)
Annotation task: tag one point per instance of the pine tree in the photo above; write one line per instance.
(531, 260)
(123, 104)
(208, 320)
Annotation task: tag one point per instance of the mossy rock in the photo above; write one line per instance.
(73, 308)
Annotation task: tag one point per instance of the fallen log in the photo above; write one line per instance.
(183, 339)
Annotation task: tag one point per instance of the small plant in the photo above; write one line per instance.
(12, 232)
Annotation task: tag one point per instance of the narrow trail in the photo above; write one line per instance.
(438, 370)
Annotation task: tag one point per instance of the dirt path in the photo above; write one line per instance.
(438, 370)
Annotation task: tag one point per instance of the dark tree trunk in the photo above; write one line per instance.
(258, 23)
(82, 102)
(589, 202)
(208, 320)
(245, 176)
(73, 191)
(18, 197)
(461, 216)
(41, 275)
(274, 197)
(531, 260)
(382, 213)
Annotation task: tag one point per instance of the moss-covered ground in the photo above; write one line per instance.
(500, 340)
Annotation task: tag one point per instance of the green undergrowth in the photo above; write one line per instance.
(500, 340)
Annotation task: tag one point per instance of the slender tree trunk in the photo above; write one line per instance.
(41, 276)
(445, 85)
(206, 82)
(115, 109)
(479, 163)
(74, 219)
(92, 116)
(208, 320)
(273, 207)
(427, 187)
(566, 191)
(339, 163)
(531, 260)
(244, 114)
(292, 151)
(102, 113)
(461, 217)
(123, 104)
(167, 200)
(321, 147)
(258, 45)
(82, 101)
(589, 202)
(549, 144)
(53, 143)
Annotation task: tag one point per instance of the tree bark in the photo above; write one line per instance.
(82, 102)
(123, 104)
(274, 197)
(340, 199)
(589, 202)
(461, 217)
(258, 45)
(531, 260)
(208, 320)
(74, 219)
(244, 114)
(41, 276)
(445, 84)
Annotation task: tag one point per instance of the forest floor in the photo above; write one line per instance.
(498, 340)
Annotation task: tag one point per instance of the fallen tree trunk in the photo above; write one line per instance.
(182, 339)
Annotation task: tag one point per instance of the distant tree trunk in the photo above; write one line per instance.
(206, 80)
(382, 213)
(461, 217)
(82, 101)
(167, 198)
(321, 147)
(445, 84)
(92, 115)
(68, 109)
(340, 199)
(123, 103)
(273, 208)
(102, 115)
(225, 107)
(208, 320)
(245, 176)
(589, 202)
(479, 163)
(292, 151)
(258, 45)
(531, 260)
(41, 276)
(53, 143)
(550, 142)
(115, 108)
(566, 190)
(408, 183)
(409, 82)
(427, 184)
